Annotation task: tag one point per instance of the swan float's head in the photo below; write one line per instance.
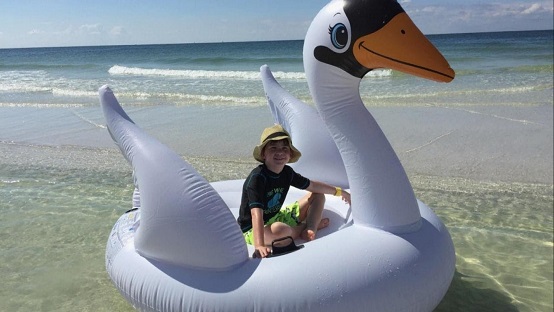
(346, 40)
(361, 35)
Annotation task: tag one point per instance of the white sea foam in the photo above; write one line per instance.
(39, 105)
(187, 98)
(184, 73)
(210, 74)
(219, 98)
(74, 93)
(9, 181)
(448, 93)
(22, 88)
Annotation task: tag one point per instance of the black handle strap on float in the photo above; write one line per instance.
(279, 247)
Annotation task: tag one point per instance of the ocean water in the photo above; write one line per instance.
(477, 150)
(509, 68)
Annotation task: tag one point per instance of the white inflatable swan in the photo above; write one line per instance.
(183, 250)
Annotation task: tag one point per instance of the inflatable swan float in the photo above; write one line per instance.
(183, 250)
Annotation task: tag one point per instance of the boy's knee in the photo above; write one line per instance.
(317, 196)
(281, 229)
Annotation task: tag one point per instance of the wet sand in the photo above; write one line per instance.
(485, 143)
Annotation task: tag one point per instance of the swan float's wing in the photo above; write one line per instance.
(320, 159)
(184, 221)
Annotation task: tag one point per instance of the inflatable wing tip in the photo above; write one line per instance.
(266, 74)
(104, 88)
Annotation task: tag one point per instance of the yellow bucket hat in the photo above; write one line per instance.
(275, 133)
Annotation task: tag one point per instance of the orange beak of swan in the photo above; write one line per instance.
(400, 45)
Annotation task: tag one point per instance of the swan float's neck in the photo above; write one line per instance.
(382, 195)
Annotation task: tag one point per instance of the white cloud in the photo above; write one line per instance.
(117, 31)
(68, 31)
(491, 16)
(35, 32)
(517, 9)
(92, 29)
(433, 9)
(535, 7)
(65, 34)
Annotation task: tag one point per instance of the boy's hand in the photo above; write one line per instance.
(261, 252)
(346, 196)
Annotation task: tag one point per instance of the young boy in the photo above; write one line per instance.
(262, 216)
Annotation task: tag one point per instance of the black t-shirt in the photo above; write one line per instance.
(267, 190)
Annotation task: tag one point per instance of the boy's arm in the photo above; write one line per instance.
(324, 188)
(258, 231)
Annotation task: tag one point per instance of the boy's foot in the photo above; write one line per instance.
(323, 223)
(309, 234)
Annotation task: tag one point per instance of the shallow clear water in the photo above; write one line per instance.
(59, 204)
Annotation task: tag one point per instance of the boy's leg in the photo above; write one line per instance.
(279, 230)
(311, 210)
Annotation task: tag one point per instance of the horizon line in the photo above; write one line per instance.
(246, 41)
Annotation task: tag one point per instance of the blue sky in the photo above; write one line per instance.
(39, 23)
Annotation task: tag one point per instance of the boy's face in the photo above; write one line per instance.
(276, 153)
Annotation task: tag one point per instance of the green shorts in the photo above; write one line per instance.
(288, 215)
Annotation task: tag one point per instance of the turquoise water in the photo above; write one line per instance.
(57, 214)
(510, 67)
(477, 150)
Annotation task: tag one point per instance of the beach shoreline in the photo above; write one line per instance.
(483, 143)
